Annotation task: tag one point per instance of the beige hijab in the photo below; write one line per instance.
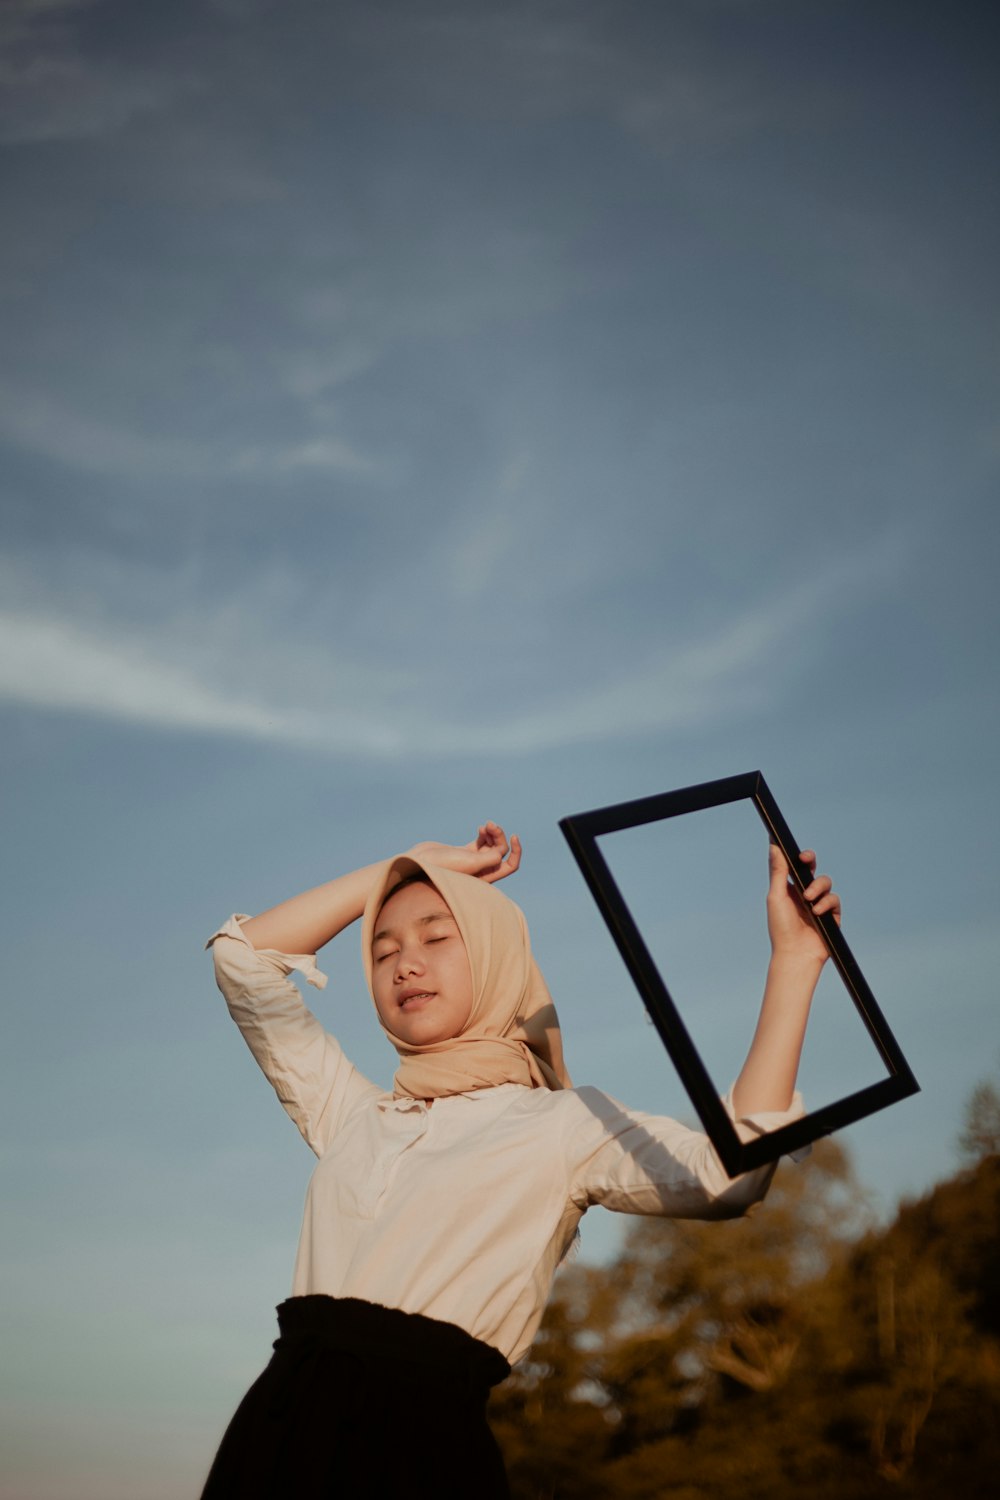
(512, 1034)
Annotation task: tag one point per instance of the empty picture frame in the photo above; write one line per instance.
(582, 832)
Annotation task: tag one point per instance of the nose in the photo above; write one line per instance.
(408, 961)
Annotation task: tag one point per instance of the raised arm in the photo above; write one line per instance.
(306, 922)
(798, 953)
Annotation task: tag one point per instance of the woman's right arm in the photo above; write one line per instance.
(305, 923)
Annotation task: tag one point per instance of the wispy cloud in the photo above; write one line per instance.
(492, 536)
(544, 60)
(42, 424)
(48, 662)
(51, 664)
(51, 91)
(317, 455)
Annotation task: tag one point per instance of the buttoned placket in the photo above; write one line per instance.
(405, 1121)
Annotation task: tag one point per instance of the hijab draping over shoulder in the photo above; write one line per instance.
(512, 1034)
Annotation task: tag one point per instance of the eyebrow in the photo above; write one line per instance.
(435, 916)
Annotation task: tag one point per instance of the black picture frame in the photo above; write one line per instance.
(582, 832)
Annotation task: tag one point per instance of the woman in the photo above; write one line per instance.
(438, 1214)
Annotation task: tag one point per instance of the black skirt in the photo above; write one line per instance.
(357, 1397)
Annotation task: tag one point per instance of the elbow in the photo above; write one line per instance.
(742, 1195)
(226, 956)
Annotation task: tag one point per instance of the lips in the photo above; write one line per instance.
(414, 999)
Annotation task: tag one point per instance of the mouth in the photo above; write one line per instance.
(414, 999)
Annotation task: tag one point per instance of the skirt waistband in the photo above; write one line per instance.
(368, 1329)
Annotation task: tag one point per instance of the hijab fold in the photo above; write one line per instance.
(512, 1034)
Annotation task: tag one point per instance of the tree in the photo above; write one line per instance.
(981, 1133)
(689, 1317)
(782, 1354)
(918, 1348)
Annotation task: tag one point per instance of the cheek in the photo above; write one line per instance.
(381, 993)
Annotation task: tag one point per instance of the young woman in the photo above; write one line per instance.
(438, 1213)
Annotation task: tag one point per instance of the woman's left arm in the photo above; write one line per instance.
(798, 952)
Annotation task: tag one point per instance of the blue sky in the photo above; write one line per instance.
(418, 413)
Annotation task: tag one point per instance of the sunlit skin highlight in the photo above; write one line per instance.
(421, 978)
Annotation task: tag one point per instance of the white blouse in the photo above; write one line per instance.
(463, 1210)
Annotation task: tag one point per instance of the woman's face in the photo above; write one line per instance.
(421, 977)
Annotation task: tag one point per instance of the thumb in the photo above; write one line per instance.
(778, 866)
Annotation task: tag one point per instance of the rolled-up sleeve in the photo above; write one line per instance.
(649, 1164)
(316, 1084)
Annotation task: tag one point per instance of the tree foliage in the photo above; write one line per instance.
(981, 1133)
(797, 1350)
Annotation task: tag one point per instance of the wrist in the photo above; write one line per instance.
(786, 960)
